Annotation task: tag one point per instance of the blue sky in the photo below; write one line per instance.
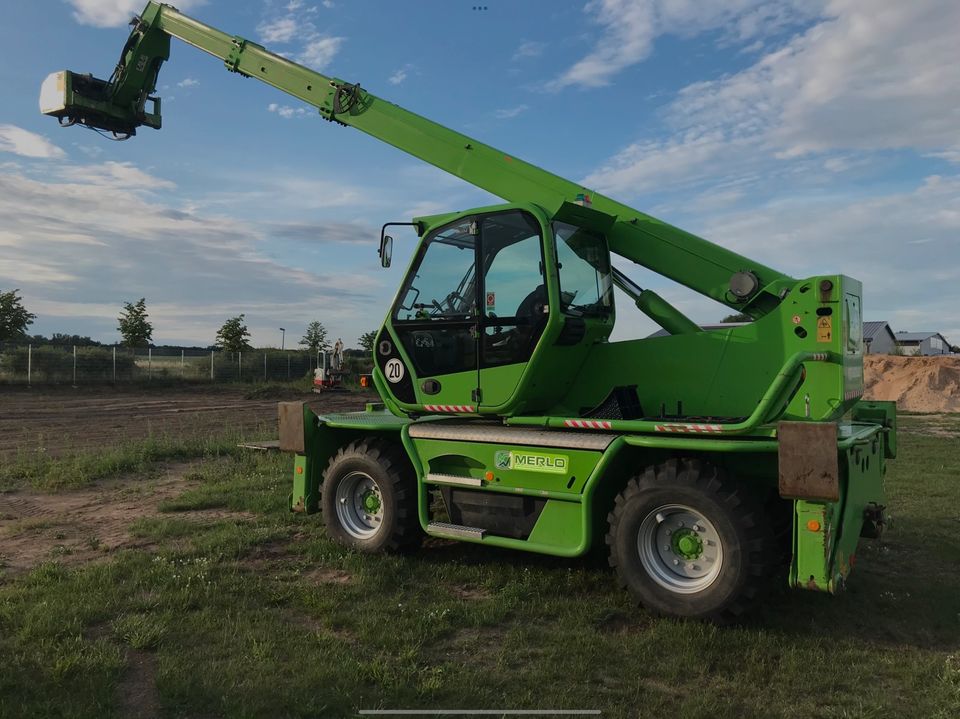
(812, 136)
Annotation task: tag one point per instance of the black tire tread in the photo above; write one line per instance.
(710, 480)
(407, 534)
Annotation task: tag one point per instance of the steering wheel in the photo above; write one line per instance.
(533, 304)
(424, 340)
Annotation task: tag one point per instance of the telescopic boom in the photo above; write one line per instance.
(120, 105)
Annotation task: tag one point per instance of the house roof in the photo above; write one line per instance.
(917, 336)
(872, 329)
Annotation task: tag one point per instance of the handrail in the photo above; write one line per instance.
(759, 416)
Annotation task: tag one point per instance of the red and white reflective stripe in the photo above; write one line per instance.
(587, 423)
(463, 408)
(691, 428)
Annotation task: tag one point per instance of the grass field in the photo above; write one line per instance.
(225, 604)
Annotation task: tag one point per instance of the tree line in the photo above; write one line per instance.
(136, 330)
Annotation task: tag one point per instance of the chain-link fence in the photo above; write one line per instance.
(30, 364)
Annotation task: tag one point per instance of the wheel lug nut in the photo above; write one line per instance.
(676, 561)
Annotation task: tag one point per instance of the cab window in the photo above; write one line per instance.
(586, 287)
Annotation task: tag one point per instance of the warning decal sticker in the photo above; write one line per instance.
(824, 329)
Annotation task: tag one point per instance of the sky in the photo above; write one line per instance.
(812, 136)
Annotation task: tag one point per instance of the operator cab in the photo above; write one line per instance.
(494, 312)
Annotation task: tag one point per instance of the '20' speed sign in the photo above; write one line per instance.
(393, 370)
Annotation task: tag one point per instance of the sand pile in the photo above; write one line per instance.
(917, 384)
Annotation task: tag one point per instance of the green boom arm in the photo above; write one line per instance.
(119, 105)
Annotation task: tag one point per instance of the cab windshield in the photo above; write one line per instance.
(443, 285)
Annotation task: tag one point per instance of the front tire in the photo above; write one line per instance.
(686, 542)
(369, 498)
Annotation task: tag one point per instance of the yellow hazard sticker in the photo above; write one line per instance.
(824, 329)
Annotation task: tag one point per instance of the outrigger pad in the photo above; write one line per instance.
(809, 468)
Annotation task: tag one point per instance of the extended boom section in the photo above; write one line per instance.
(508, 417)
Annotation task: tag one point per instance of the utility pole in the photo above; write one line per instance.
(283, 337)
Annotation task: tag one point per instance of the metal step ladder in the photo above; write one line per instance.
(458, 531)
(453, 480)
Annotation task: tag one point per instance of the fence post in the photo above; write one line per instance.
(29, 363)
(264, 366)
(239, 364)
(288, 365)
(181, 364)
(149, 363)
(114, 364)
(211, 365)
(74, 365)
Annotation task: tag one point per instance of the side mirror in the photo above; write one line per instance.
(386, 250)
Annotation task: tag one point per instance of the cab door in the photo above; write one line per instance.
(515, 307)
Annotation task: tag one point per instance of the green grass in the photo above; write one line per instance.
(81, 468)
(253, 612)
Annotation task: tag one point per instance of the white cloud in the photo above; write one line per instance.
(528, 49)
(282, 29)
(91, 151)
(329, 4)
(188, 82)
(398, 77)
(319, 52)
(903, 246)
(113, 174)
(917, 232)
(27, 144)
(872, 75)
(876, 74)
(287, 112)
(510, 112)
(115, 13)
(629, 28)
(78, 249)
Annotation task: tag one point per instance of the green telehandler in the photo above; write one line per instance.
(705, 461)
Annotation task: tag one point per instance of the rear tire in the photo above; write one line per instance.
(369, 498)
(686, 542)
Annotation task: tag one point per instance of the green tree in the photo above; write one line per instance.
(739, 317)
(135, 329)
(59, 338)
(233, 335)
(315, 338)
(14, 318)
(367, 339)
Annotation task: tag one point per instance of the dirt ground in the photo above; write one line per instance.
(84, 525)
(58, 420)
